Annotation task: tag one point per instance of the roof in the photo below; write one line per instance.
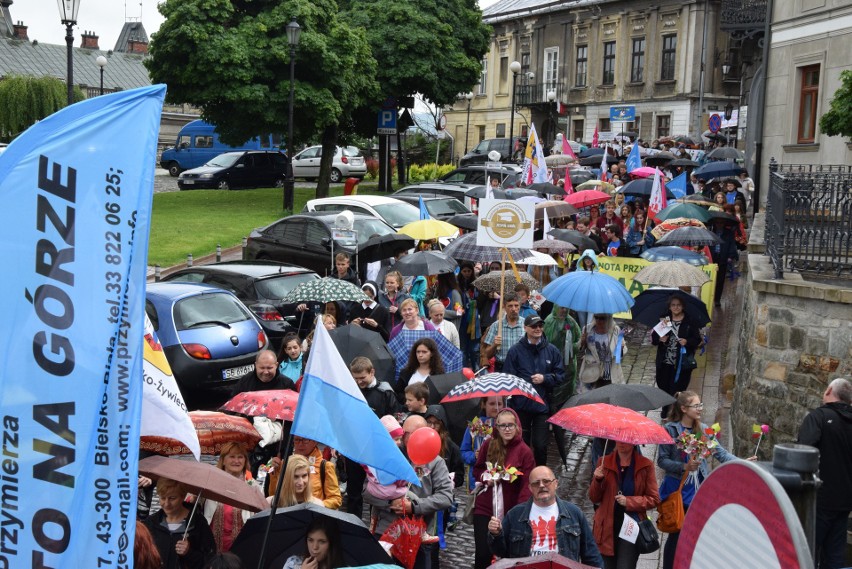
(513, 9)
(366, 199)
(178, 290)
(254, 269)
(123, 71)
(130, 31)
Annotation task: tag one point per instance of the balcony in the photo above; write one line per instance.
(743, 18)
(535, 94)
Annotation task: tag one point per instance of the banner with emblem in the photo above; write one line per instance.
(505, 223)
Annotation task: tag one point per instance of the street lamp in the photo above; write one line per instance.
(515, 68)
(293, 32)
(101, 62)
(551, 106)
(469, 97)
(68, 15)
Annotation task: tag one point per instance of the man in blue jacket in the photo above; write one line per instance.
(539, 362)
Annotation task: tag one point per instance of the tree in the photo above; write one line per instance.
(838, 120)
(231, 59)
(25, 100)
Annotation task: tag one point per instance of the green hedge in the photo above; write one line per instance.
(428, 172)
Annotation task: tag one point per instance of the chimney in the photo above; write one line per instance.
(136, 45)
(90, 41)
(20, 32)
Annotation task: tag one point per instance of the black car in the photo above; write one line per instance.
(439, 207)
(509, 175)
(306, 239)
(260, 285)
(243, 169)
(437, 190)
(480, 152)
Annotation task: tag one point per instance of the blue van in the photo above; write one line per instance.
(198, 143)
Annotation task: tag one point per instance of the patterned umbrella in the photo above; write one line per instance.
(690, 236)
(278, 404)
(465, 248)
(587, 198)
(213, 429)
(697, 199)
(671, 273)
(490, 282)
(492, 385)
(425, 263)
(589, 291)
(558, 160)
(612, 422)
(655, 254)
(554, 208)
(426, 229)
(555, 246)
(324, 290)
(401, 344)
(673, 223)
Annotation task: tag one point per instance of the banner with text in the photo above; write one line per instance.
(76, 189)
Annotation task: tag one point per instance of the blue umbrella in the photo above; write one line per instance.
(672, 253)
(589, 291)
(400, 347)
(718, 170)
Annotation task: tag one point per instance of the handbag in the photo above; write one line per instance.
(471, 504)
(688, 362)
(671, 510)
(648, 540)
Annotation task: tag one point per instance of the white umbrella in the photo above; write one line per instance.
(538, 259)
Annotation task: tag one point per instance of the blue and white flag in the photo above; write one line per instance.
(633, 159)
(76, 190)
(678, 186)
(333, 411)
(424, 213)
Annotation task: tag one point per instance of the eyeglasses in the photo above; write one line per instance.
(505, 426)
(696, 406)
(600, 317)
(542, 483)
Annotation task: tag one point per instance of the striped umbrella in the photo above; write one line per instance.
(465, 248)
(492, 385)
(611, 422)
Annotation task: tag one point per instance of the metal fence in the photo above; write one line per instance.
(809, 219)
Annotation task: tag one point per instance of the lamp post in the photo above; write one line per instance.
(68, 15)
(293, 32)
(101, 62)
(551, 106)
(469, 97)
(515, 68)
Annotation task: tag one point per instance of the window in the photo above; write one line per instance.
(603, 125)
(481, 132)
(609, 63)
(501, 130)
(551, 70)
(525, 63)
(667, 67)
(808, 97)
(577, 129)
(205, 141)
(483, 77)
(664, 123)
(504, 74)
(637, 66)
(582, 68)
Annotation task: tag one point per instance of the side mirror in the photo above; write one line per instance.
(326, 242)
(240, 165)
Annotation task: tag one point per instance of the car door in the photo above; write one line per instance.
(306, 163)
(240, 174)
(317, 248)
(283, 241)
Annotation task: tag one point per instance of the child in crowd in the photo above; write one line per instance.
(290, 357)
(416, 396)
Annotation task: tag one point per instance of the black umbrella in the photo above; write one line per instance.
(515, 193)
(384, 246)
(480, 192)
(684, 163)
(546, 188)
(458, 412)
(580, 176)
(353, 341)
(689, 236)
(631, 395)
(641, 187)
(685, 140)
(467, 221)
(425, 263)
(287, 537)
(721, 169)
(722, 216)
(652, 304)
(575, 238)
(725, 153)
(591, 152)
(596, 160)
(659, 159)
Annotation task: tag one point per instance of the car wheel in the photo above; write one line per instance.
(174, 169)
(223, 185)
(336, 176)
(279, 183)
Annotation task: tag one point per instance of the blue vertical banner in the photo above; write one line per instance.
(76, 190)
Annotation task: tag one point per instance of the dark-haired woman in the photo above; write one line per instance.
(674, 347)
(423, 360)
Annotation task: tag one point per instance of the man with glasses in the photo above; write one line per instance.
(539, 362)
(544, 524)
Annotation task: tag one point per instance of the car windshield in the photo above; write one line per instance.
(445, 207)
(206, 310)
(279, 287)
(366, 228)
(224, 160)
(398, 214)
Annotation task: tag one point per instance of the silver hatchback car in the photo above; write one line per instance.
(347, 163)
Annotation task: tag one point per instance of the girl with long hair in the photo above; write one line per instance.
(296, 488)
(478, 431)
(323, 547)
(423, 360)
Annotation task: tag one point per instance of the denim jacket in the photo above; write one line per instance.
(573, 534)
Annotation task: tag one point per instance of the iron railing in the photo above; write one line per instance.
(809, 219)
(743, 18)
(535, 94)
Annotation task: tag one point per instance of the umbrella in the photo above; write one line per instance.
(425, 263)
(426, 229)
(287, 537)
(480, 192)
(490, 282)
(725, 153)
(515, 193)
(687, 140)
(589, 291)
(697, 199)
(558, 160)
(591, 152)
(466, 221)
(205, 479)
(536, 199)
(458, 412)
(630, 395)
(596, 160)
(538, 260)
(651, 305)
(353, 341)
(723, 216)
(689, 236)
(641, 187)
(465, 248)
(612, 422)
(213, 429)
(492, 385)
(580, 176)
(278, 404)
(673, 223)
(688, 210)
(684, 163)
(326, 289)
(546, 561)
(575, 238)
(546, 188)
(671, 273)
(680, 254)
(595, 185)
(643, 172)
(554, 246)
(384, 246)
(587, 198)
(717, 170)
(400, 347)
(660, 159)
(554, 208)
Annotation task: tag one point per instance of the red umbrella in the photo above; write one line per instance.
(213, 429)
(611, 422)
(279, 404)
(586, 198)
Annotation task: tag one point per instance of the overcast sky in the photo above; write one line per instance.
(103, 17)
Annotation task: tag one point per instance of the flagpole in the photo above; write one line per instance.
(503, 252)
(276, 498)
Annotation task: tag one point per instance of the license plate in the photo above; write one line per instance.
(188, 182)
(236, 372)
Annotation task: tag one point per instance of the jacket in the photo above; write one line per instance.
(525, 359)
(573, 534)
(351, 277)
(201, 543)
(291, 369)
(590, 370)
(687, 331)
(378, 313)
(381, 399)
(385, 300)
(645, 497)
(829, 428)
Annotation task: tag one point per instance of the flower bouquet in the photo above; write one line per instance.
(700, 446)
(497, 473)
(757, 433)
(480, 428)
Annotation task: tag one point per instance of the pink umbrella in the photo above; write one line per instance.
(643, 172)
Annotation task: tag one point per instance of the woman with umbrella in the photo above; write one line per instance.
(323, 547)
(184, 542)
(675, 348)
(424, 360)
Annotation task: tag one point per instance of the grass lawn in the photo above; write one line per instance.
(195, 222)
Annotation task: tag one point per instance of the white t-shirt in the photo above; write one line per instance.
(417, 377)
(543, 523)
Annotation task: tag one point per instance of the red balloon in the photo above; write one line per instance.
(423, 446)
(468, 373)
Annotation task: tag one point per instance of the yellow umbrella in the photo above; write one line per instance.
(596, 185)
(426, 229)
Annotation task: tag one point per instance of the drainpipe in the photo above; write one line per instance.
(699, 127)
(758, 126)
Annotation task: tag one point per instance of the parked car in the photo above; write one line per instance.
(392, 211)
(480, 152)
(347, 163)
(260, 286)
(306, 239)
(439, 190)
(509, 175)
(209, 337)
(441, 208)
(232, 170)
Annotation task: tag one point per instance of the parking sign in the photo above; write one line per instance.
(387, 121)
